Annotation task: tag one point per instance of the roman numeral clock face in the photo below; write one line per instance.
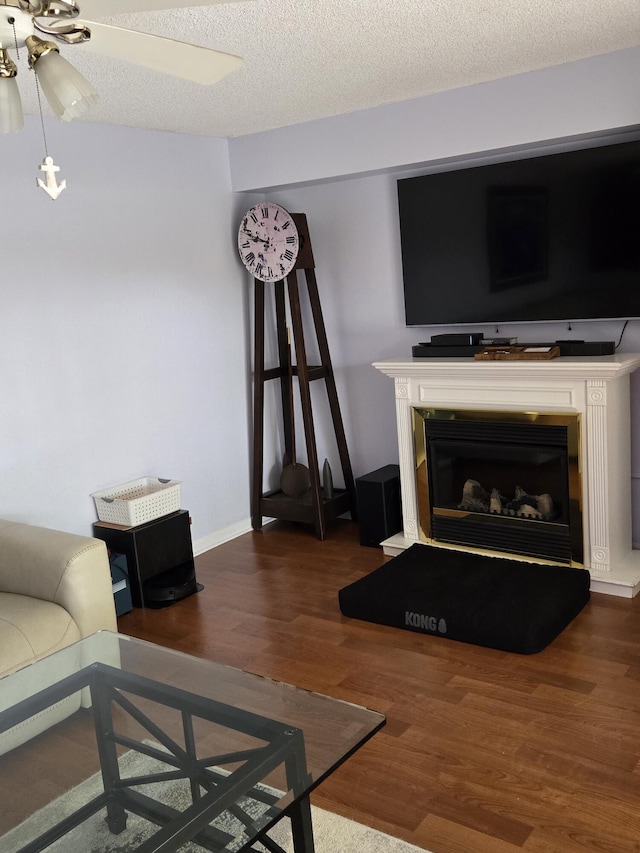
(268, 242)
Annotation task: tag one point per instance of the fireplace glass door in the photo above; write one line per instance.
(506, 482)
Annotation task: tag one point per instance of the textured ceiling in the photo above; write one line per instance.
(309, 59)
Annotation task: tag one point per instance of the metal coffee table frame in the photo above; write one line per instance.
(281, 745)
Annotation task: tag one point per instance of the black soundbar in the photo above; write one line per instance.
(579, 348)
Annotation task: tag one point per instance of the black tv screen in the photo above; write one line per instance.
(552, 237)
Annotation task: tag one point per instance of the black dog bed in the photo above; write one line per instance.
(489, 601)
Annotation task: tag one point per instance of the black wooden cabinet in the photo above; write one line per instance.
(159, 557)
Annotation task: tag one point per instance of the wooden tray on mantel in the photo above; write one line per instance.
(519, 353)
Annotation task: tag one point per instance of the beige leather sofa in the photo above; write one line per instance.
(55, 588)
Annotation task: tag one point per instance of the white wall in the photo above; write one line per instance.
(123, 345)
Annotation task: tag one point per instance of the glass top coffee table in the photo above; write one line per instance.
(171, 753)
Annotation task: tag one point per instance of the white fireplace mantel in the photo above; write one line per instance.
(595, 387)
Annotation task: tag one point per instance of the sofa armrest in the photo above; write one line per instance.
(69, 570)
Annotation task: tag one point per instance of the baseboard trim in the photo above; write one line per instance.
(207, 543)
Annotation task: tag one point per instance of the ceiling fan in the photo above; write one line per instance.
(69, 94)
(60, 20)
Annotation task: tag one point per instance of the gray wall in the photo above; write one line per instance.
(342, 173)
(354, 232)
(584, 98)
(123, 349)
(126, 330)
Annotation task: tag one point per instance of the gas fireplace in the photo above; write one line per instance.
(525, 459)
(506, 481)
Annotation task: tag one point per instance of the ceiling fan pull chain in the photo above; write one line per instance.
(12, 21)
(50, 184)
(44, 135)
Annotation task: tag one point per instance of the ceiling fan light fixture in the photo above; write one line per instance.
(11, 117)
(68, 93)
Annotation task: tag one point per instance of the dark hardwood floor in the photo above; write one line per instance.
(483, 751)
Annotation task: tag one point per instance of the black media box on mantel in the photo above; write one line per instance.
(464, 339)
(379, 507)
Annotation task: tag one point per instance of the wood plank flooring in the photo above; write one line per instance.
(483, 751)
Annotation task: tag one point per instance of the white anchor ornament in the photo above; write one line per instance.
(51, 187)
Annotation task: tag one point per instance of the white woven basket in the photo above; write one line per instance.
(137, 502)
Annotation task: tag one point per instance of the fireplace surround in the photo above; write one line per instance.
(592, 393)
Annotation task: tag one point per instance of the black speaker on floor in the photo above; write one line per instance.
(379, 507)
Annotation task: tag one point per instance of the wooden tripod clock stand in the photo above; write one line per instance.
(311, 500)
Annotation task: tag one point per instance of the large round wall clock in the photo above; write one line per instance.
(268, 241)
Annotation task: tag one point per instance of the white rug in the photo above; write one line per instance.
(332, 833)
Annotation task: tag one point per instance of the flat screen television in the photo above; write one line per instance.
(545, 238)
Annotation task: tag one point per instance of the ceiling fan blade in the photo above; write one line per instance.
(177, 58)
(104, 8)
